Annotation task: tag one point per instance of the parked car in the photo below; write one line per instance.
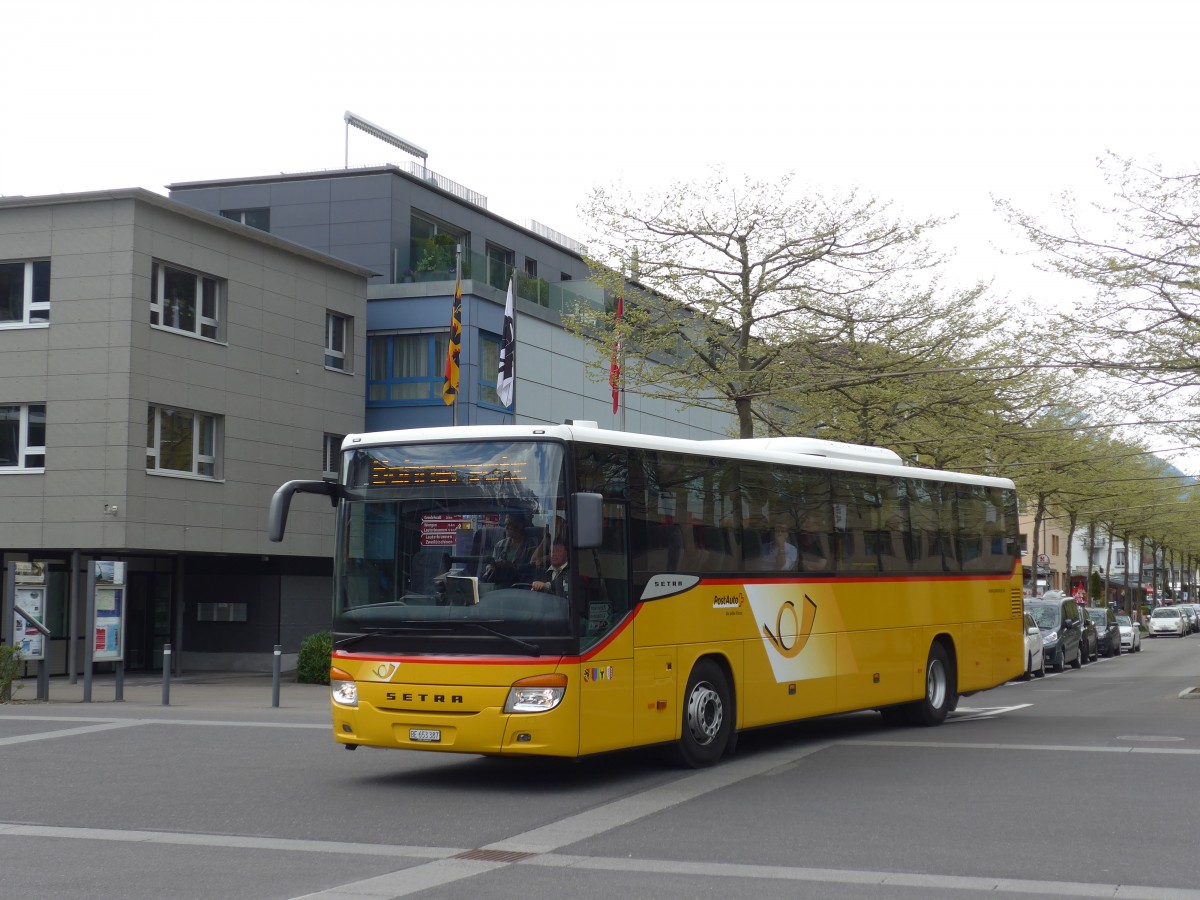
(1108, 632)
(1035, 654)
(1189, 613)
(1131, 634)
(1060, 622)
(1167, 621)
(1088, 639)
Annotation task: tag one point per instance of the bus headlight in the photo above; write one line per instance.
(537, 694)
(343, 689)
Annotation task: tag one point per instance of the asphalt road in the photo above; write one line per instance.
(1081, 784)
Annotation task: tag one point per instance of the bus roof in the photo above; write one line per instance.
(812, 452)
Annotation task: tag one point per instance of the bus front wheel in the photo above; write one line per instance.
(707, 716)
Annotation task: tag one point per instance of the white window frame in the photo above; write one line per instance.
(241, 215)
(331, 454)
(159, 312)
(205, 459)
(25, 450)
(338, 327)
(30, 308)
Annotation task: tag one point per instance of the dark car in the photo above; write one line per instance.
(1061, 623)
(1090, 638)
(1108, 631)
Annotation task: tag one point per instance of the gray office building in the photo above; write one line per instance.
(161, 372)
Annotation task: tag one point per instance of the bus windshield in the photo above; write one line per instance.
(454, 543)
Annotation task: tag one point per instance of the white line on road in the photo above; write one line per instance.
(445, 869)
(66, 732)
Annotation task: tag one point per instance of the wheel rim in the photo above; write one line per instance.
(705, 713)
(935, 684)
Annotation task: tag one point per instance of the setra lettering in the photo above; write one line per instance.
(428, 698)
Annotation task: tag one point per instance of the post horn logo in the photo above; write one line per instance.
(384, 670)
(789, 642)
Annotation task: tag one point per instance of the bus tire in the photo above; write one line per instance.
(940, 690)
(707, 716)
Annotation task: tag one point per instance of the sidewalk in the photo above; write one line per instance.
(199, 691)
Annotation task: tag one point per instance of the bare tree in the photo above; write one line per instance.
(746, 293)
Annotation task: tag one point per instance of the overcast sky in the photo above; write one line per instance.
(936, 106)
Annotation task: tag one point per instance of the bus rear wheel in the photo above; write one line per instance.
(940, 690)
(707, 716)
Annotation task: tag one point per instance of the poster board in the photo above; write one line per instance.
(32, 599)
(108, 626)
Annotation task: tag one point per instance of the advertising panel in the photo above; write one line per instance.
(108, 629)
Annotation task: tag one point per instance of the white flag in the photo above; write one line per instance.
(507, 375)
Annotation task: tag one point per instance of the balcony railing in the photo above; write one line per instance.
(450, 187)
(559, 296)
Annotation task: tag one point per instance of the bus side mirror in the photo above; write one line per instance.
(587, 531)
(281, 502)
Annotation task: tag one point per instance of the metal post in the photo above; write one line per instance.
(166, 687)
(43, 675)
(73, 620)
(119, 681)
(89, 628)
(276, 661)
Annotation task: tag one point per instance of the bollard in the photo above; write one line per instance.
(166, 690)
(276, 662)
(119, 682)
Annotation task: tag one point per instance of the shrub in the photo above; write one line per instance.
(312, 666)
(10, 665)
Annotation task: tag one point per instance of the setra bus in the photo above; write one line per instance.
(566, 590)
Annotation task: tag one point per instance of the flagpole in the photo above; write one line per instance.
(457, 281)
(512, 284)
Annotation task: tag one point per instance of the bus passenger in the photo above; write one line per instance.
(778, 553)
(556, 576)
(511, 557)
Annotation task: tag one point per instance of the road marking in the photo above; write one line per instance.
(1055, 748)
(971, 713)
(233, 841)
(66, 732)
(448, 866)
(106, 724)
(973, 884)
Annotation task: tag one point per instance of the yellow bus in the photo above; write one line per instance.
(566, 590)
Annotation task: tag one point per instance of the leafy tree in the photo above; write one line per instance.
(746, 298)
(1141, 253)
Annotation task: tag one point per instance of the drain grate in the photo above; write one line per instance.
(510, 856)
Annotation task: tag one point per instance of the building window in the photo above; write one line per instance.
(338, 339)
(1119, 558)
(1054, 544)
(181, 442)
(431, 249)
(489, 365)
(25, 293)
(185, 301)
(531, 267)
(255, 218)
(500, 263)
(406, 369)
(23, 437)
(331, 453)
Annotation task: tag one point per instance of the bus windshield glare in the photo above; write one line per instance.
(454, 542)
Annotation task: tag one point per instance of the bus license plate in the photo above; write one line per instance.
(425, 735)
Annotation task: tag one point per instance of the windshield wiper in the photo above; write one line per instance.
(531, 649)
(441, 627)
(383, 632)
